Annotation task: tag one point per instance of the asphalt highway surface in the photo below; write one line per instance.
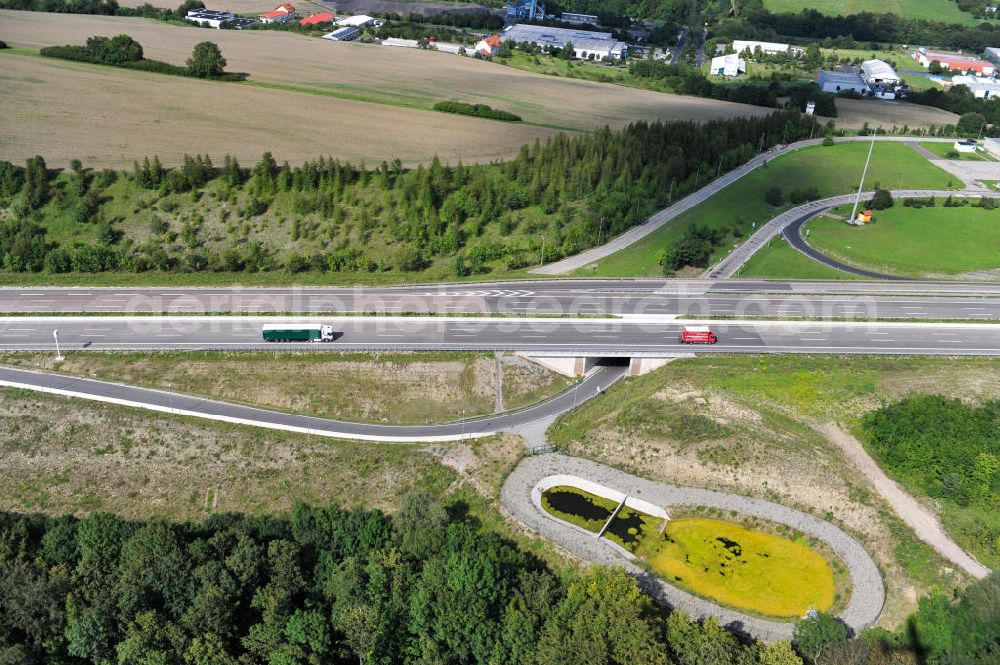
(590, 337)
(692, 298)
(169, 402)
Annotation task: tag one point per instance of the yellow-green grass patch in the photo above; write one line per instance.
(744, 569)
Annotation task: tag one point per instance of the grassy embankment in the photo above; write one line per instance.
(779, 260)
(385, 388)
(751, 425)
(749, 570)
(831, 169)
(944, 11)
(914, 242)
(947, 151)
(64, 455)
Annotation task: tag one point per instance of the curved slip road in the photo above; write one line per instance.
(186, 405)
(868, 592)
(667, 215)
(790, 223)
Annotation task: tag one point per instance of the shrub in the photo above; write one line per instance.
(476, 110)
(774, 196)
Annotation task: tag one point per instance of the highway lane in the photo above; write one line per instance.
(180, 404)
(698, 298)
(592, 337)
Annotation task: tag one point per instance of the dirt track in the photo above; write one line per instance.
(924, 523)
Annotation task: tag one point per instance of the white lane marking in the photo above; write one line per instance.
(22, 329)
(461, 335)
(168, 335)
(17, 335)
(744, 338)
(92, 335)
(33, 294)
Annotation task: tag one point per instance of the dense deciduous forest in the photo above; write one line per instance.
(326, 585)
(327, 215)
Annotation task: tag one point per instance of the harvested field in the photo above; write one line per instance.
(380, 74)
(108, 117)
(386, 388)
(853, 113)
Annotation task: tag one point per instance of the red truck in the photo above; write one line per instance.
(697, 335)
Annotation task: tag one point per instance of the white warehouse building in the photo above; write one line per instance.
(586, 44)
(879, 72)
(770, 48)
(728, 65)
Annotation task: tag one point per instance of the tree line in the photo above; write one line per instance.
(574, 190)
(206, 59)
(426, 585)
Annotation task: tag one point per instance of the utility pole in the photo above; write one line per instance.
(55, 335)
(600, 233)
(541, 256)
(718, 171)
(854, 211)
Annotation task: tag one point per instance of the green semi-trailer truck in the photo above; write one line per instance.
(297, 332)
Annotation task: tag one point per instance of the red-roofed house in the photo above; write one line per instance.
(488, 46)
(279, 15)
(316, 19)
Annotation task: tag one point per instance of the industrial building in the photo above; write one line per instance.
(579, 19)
(982, 88)
(993, 53)
(878, 73)
(524, 10)
(956, 62)
(586, 45)
(728, 65)
(360, 21)
(210, 17)
(770, 48)
(345, 34)
(837, 82)
(316, 19)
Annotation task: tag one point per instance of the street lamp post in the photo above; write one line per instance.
(541, 256)
(55, 336)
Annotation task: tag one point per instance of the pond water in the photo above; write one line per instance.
(574, 503)
(628, 527)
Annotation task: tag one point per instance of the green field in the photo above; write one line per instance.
(779, 260)
(831, 169)
(915, 241)
(742, 568)
(943, 149)
(945, 11)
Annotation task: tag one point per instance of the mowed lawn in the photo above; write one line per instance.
(943, 149)
(946, 11)
(831, 169)
(915, 241)
(745, 569)
(779, 260)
